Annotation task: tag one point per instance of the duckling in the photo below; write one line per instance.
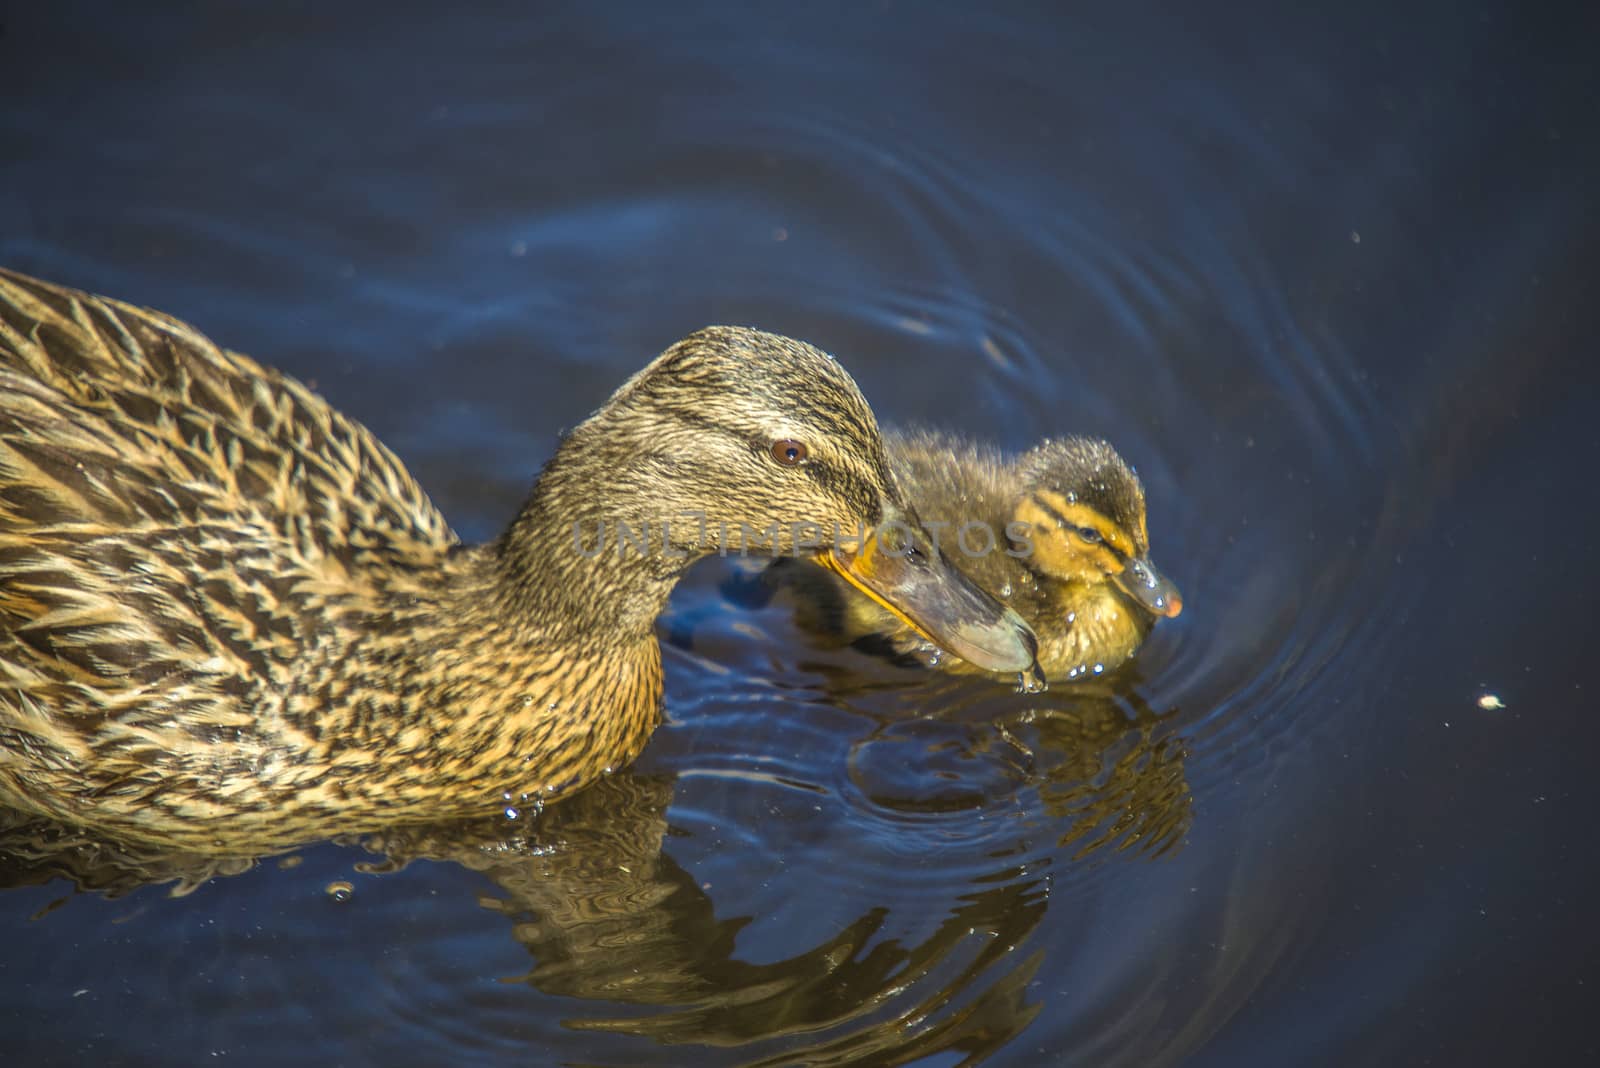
(231, 621)
(1059, 532)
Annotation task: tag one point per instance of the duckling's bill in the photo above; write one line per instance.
(929, 594)
(1141, 581)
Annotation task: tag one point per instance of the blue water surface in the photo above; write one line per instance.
(1326, 277)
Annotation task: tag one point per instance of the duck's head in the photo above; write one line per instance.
(736, 441)
(1084, 511)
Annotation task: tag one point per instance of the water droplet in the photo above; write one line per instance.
(340, 891)
(1032, 680)
(512, 813)
(1005, 590)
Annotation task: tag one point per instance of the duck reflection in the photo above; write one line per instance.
(1112, 775)
(1107, 766)
(608, 916)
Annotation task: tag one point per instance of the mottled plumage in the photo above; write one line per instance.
(1091, 604)
(230, 620)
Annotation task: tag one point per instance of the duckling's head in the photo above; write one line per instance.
(1084, 511)
(737, 441)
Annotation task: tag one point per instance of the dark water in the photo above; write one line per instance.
(1327, 279)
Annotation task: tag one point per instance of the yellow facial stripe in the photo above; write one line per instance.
(1058, 551)
(1081, 515)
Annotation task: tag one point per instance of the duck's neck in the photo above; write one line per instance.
(528, 667)
(588, 561)
(524, 673)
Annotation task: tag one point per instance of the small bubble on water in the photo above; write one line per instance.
(340, 890)
(1491, 702)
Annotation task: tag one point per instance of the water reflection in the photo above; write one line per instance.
(1093, 762)
(1097, 759)
(608, 915)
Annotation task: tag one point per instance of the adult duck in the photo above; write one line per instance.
(230, 620)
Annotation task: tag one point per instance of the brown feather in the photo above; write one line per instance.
(230, 620)
(1085, 624)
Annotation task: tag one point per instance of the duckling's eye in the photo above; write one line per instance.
(1090, 535)
(788, 452)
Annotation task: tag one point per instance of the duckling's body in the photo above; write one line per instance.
(1012, 523)
(231, 620)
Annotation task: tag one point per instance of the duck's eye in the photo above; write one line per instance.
(788, 452)
(1090, 535)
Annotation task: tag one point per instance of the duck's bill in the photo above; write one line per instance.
(1141, 581)
(932, 597)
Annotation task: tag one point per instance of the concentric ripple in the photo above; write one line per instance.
(1278, 256)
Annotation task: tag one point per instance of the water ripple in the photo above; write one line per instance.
(1264, 254)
